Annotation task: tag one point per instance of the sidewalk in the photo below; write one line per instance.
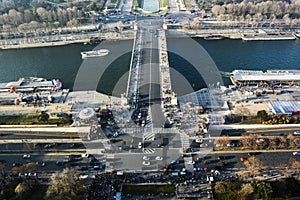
(51, 129)
(254, 126)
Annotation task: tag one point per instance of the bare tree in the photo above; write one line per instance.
(7, 4)
(42, 13)
(65, 185)
(28, 16)
(254, 165)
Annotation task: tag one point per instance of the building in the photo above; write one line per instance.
(285, 107)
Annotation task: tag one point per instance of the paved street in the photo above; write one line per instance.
(150, 74)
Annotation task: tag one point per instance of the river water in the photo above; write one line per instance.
(64, 62)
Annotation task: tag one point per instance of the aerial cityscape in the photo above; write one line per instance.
(149, 99)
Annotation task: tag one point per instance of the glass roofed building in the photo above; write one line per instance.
(206, 98)
(285, 107)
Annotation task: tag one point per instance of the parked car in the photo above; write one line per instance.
(97, 167)
(59, 163)
(297, 133)
(147, 163)
(85, 155)
(191, 162)
(158, 158)
(296, 153)
(221, 157)
(26, 156)
(199, 140)
(140, 145)
(16, 164)
(146, 158)
(41, 163)
(175, 162)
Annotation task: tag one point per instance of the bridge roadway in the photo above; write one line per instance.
(144, 83)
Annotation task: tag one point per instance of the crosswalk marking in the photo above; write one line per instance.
(149, 119)
(149, 136)
(184, 141)
(149, 151)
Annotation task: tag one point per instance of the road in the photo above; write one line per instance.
(243, 132)
(134, 160)
(149, 73)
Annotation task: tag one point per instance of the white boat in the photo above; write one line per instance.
(254, 77)
(96, 53)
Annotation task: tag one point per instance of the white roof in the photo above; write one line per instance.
(270, 75)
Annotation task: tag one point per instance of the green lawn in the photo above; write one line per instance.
(25, 120)
(188, 4)
(137, 3)
(163, 3)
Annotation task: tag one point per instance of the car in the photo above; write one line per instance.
(140, 145)
(221, 157)
(16, 164)
(97, 167)
(46, 146)
(26, 156)
(297, 133)
(60, 163)
(296, 153)
(251, 154)
(244, 159)
(199, 140)
(85, 155)
(207, 162)
(139, 115)
(158, 158)
(146, 158)
(147, 163)
(73, 145)
(83, 176)
(41, 163)
(175, 161)
(203, 145)
(201, 157)
(73, 164)
(83, 167)
(190, 162)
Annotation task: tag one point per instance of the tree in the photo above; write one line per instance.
(42, 13)
(23, 189)
(292, 186)
(65, 185)
(43, 116)
(263, 189)
(262, 115)
(246, 190)
(254, 165)
(220, 188)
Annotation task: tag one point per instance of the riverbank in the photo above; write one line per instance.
(44, 44)
(249, 34)
(62, 40)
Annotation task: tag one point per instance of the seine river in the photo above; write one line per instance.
(64, 62)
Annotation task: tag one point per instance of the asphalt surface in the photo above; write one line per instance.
(149, 73)
(231, 160)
